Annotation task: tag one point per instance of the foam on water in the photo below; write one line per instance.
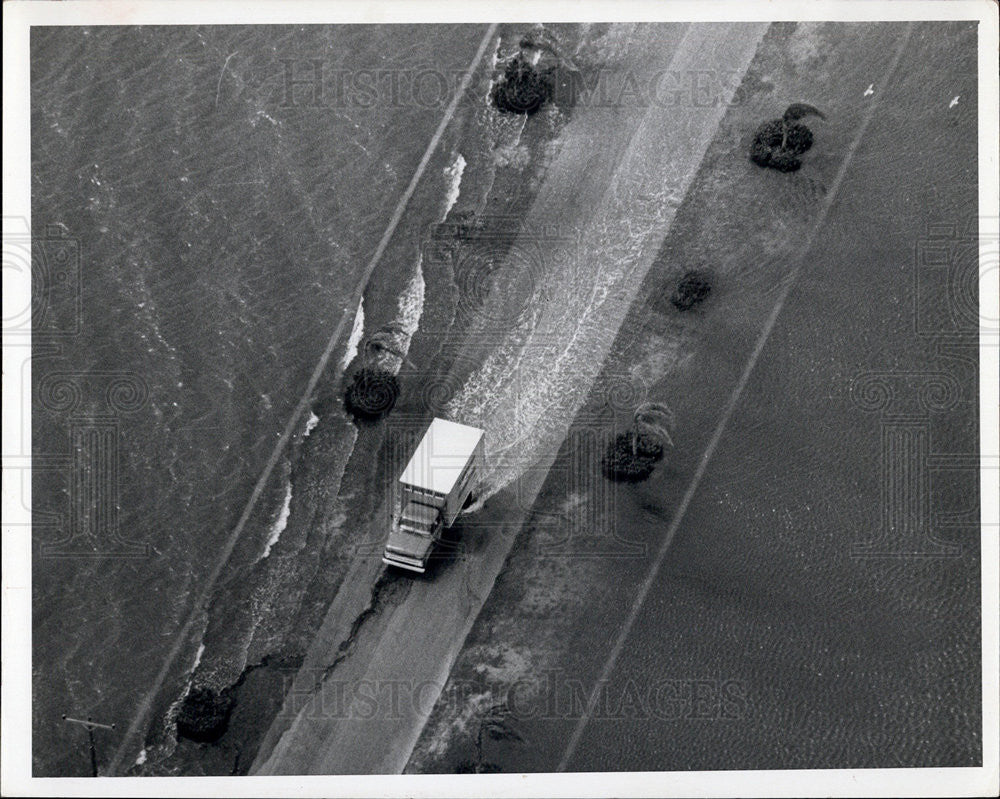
(357, 331)
(310, 424)
(454, 175)
(541, 370)
(197, 657)
(411, 302)
(280, 523)
(409, 309)
(532, 384)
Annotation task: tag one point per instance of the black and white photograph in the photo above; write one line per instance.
(480, 399)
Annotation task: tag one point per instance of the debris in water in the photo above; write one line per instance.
(954, 101)
(870, 90)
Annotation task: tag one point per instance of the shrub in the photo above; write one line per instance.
(693, 288)
(204, 715)
(799, 139)
(372, 393)
(630, 459)
(523, 89)
(767, 149)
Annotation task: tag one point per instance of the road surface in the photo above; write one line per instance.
(619, 177)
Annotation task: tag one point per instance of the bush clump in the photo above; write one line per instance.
(372, 393)
(778, 144)
(692, 289)
(204, 715)
(631, 459)
(523, 89)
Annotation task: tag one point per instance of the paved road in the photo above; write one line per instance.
(614, 169)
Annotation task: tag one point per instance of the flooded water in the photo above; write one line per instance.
(223, 216)
(223, 228)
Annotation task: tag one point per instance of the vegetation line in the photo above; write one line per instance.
(734, 398)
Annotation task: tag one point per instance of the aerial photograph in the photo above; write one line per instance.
(505, 397)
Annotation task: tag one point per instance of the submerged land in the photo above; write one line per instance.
(757, 599)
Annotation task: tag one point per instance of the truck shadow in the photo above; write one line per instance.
(451, 551)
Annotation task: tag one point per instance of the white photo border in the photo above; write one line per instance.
(15, 734)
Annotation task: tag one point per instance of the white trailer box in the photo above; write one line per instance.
(444, 467)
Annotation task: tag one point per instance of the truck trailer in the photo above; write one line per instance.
(432, 490)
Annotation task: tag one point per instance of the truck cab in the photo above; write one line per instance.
(432, 490)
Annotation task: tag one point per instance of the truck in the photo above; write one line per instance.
(432, 490)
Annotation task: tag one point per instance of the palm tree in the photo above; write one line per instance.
(523, 88)
(654, 420)
(793, 114)
(778, 142)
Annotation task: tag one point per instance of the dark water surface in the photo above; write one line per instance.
(222, 225)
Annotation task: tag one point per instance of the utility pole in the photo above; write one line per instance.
(90, 725)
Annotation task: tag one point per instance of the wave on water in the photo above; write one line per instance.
(168, 729)
(311, 423)
(454, 175)
(411, 302)
(539, 374)
(397, 334)
(280, 523)
(197, 657)
(357, 331)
